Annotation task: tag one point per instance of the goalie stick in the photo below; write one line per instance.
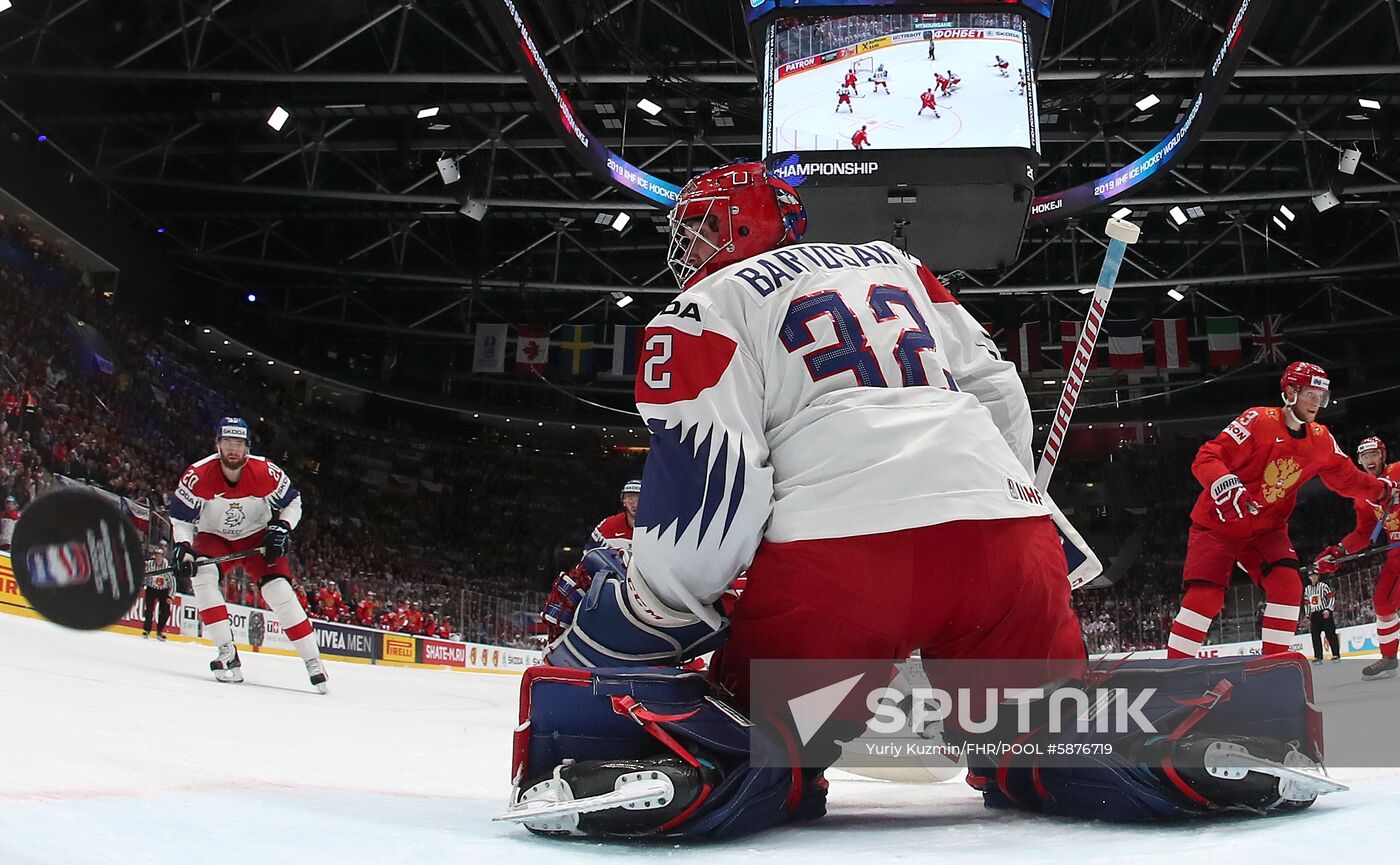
(80, 562)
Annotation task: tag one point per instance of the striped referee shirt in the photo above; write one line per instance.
(1318, 598)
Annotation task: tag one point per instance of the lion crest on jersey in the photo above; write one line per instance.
(1280, 475)
(233, 516)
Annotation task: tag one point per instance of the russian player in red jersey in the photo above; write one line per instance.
(1371, 455)
(927, 98)
(860, 139)
(1250, 474)
(614, 533)
(229, 502)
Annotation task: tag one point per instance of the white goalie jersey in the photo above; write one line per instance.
(818, 391)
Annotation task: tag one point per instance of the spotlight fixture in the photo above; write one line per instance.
(1325, 201)
(1283, 226)
(622, 300)
(1178, 215)
(472, 209)
(252, 298)
(653, 109)
(425, 113)
(1368, 103)
(1347, 162)
(1175, 295)
(1288, 214)
(1147, 102)
(278, 118)
(448, 170)
(620, 222)
(1123, 213)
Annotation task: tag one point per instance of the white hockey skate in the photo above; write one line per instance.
(317, 672)
(227, 667)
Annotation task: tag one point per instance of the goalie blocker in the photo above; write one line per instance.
(648, 751)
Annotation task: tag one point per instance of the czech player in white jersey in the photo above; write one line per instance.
(230, 502)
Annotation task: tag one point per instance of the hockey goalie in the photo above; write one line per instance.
(828, 420)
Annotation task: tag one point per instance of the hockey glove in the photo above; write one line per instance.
(1325, 563)
(1391, 497)
(183, 561)
(1232, 500)
(277, 540)
(621, 623)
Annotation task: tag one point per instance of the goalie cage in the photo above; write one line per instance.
(864, 68)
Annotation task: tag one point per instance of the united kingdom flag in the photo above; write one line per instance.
(1268, 339)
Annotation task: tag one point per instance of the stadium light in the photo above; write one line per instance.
(278, 118)
(622, 300)
(252, 298)
(653, 109)
(206, 330)
(1123, 213)
(1178, 215)
(1283, 208)
(425, 113)
(1283, 226)
(1325, 201)
(4, 4)
(448, 170)
(472, 209)
(1175, 295)
(620, 221)
(296, 372)
(1147, 102)
(1350, 158)
(270, 363)
(1368, 103)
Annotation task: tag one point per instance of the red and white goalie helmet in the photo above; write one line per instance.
(729, 214)
(1368, 445)
(1301, 375)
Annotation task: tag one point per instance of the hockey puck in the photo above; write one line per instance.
(78, 560)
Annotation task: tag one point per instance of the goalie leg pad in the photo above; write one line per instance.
(620, 623)
(1202, 710)
(654, 716)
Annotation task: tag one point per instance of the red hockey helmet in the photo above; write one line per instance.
(729, 214)
(1368, 445)
(1301, 375)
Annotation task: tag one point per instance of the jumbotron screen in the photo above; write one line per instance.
(921, 80)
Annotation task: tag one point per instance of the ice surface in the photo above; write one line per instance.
(121, 751)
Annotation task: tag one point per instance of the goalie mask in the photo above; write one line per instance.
(729, 214)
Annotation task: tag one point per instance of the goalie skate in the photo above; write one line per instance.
(1299, 779)
(616, 797)
(227, 667)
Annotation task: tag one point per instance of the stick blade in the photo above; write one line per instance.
(78, 560)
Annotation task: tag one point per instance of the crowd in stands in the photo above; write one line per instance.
(105, 399)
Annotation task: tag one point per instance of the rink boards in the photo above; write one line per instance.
(258, 630)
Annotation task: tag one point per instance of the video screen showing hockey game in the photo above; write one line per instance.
(899, 81)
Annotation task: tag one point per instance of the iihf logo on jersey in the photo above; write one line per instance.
(234, 516)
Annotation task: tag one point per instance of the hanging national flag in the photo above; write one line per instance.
(489, 352)
(624, 350)
(1223, 338)
(1169, 336)
(574, 352)
(1124, 343)
(1069, 340)
(1268, 339)
(139, 514)
(1023, 346)
(531, 349)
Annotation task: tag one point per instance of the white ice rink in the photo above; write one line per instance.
(124, 752)
(986, 110)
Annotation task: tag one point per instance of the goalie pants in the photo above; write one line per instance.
(972, 589)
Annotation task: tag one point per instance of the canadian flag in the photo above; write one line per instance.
(531, 349)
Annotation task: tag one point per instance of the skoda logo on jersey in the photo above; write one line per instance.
(233, 517)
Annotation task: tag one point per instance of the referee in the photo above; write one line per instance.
(158, 590)
(1320, 601)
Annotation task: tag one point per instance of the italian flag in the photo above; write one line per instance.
(1223, 338)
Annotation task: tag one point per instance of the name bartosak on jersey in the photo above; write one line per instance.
(767, 272)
